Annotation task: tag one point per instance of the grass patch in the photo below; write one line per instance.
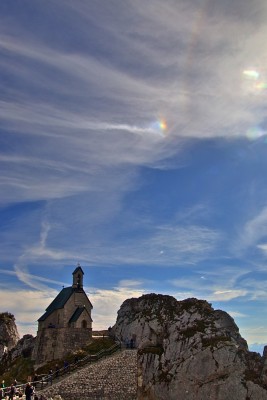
(19, 369)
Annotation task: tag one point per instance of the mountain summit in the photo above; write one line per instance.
(188, 350)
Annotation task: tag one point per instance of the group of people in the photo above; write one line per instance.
(27, 391)
(9, 392)
(12, 392)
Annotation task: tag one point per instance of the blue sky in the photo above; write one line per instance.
(133, 140)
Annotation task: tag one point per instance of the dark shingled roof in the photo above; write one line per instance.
(76, 314)
(58, 302)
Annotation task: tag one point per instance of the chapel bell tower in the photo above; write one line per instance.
(78, 277)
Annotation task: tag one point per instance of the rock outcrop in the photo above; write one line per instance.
(188, 350)
(8, 333)
(23, 348)
(12, 347)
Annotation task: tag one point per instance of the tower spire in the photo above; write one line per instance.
(78, 277)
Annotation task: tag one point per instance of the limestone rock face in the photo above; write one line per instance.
(8, 333)
(23, 348)
(188, 350)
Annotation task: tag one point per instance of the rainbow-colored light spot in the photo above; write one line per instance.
(256, 81)
(160, 127)
(255, 133)
(163, 124)
(261, 85)
(252, 74)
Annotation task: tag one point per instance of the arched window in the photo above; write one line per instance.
(84, 324)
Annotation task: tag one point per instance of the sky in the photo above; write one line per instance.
(133, 140)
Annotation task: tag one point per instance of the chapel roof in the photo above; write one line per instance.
(58, 302)
(77, 313)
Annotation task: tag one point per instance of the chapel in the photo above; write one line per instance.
(66, 324)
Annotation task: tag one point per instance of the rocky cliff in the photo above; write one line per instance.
(8, 333)
(188, 350)
(14, 351)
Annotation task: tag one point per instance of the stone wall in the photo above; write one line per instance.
(54, 343)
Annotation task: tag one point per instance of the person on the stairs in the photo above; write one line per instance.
(28, 391)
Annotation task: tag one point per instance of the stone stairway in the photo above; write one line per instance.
(112, 378)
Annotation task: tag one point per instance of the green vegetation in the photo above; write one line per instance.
(6, 317)
(160, 307)
(198, 327)
(164, 308)
(99, 344)
(19, 369)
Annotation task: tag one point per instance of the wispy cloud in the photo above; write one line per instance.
(237, 314)
(255, 334)
(107, 303)
(220, 285)
(226, 295)
(253, 233)
(167, 245)
(163, 245)
(31, 276)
